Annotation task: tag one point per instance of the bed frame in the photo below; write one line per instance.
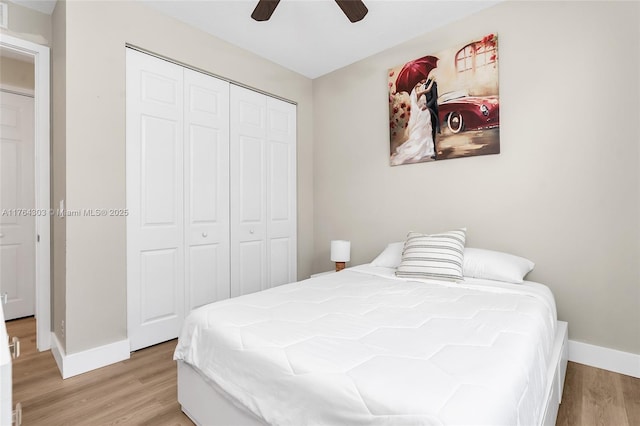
(206, 404)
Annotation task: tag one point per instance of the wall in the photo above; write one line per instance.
(96, 33)
(564, 191)
(17, 73)
(58, 169)
(28, 24)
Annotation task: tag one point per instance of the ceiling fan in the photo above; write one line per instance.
(354, 9)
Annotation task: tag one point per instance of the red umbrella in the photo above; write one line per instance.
(413, 72)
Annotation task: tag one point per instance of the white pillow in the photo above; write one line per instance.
(435, 256)
(391, 256)
(495, 265)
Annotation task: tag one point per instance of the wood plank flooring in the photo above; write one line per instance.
(595, 397)
(142, 390)
(139, 391)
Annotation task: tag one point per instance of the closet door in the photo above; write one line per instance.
(206, 151)
(263, 192)
(248, 191)
(281, 192)
(177, 195)
(155, 225)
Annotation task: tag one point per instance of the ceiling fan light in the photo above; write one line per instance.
(264, 9)
(354, 9)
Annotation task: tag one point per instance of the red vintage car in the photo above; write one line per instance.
(459, 112)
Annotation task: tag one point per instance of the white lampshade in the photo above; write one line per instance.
(340, 251)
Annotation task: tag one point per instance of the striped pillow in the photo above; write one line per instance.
(436, 256)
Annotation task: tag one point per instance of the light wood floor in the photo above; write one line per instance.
(595, 397)
(142, 390)
(138, 391)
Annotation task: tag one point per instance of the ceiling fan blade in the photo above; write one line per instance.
(354, 9)
(264, 9)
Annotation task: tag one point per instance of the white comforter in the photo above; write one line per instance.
(361, 347)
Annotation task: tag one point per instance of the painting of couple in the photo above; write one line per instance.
(462, 121)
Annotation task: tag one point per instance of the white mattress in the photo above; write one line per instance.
(361, 347)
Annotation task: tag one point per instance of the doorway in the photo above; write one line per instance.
(25, 184)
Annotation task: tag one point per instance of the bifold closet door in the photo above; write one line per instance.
(206, 200)
(155, 225)
(177, 195)
(263, 191)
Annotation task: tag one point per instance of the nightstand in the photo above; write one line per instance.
(322, 273)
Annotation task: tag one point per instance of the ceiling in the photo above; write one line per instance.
(311, 37)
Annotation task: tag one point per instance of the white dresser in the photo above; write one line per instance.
(5, 373)
(6, 406)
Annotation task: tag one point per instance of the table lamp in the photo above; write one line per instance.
(340, 253)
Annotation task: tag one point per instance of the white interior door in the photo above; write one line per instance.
(206, 151)
(17, 204)
(155, 225)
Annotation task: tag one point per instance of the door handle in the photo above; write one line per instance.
(14, 347)
(204, 235)
(16, 415)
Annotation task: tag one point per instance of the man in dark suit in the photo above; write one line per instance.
(430, 93)
(432, 104)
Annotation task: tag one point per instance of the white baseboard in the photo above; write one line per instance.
(605, 358)
(91, 359)
(57, 351)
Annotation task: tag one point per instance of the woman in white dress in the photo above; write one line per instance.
(419, 145)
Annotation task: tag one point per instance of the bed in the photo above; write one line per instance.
(364, 347)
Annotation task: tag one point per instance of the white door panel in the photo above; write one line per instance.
(159, 285)
(206, 189)
(280, 258)
(160, 145)
(281, 178)
(155, 170)
(251, 272)
(280, 181)
(251, 185)
(208, 281)
(203, 150)
(248, 191)
(17, 197)
(250, 111)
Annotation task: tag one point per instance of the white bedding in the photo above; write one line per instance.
(361, 347)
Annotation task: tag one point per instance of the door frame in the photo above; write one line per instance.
(42, 139)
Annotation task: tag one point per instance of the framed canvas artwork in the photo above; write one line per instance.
(446, 105)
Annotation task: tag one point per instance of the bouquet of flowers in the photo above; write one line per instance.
(399, 112)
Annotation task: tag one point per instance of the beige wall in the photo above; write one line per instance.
(28, 24)
(17, 73)
(564, 191)
(96, 33)
(58, 168)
